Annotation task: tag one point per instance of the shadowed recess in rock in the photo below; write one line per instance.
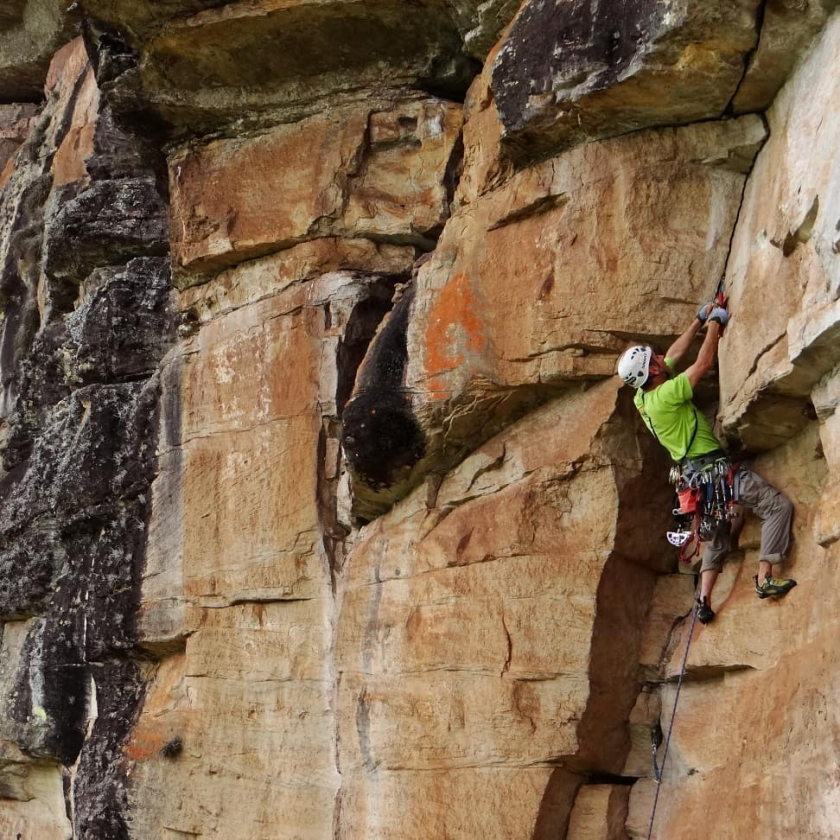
(553, 814)
(361, 327)
(381, 436)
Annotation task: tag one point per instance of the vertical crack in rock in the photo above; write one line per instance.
(369, 641)
(363, 729)
(623, 596)
(359, 329)
(747, 175)
(337, 832)
(362, 325)
(748, 58)
(452, 177)
(509, 642)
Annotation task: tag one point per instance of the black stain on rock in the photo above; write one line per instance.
(48, 706)
(108, 222)
(173, 747)
(21, 268)
(381, 436)
(81, 404)
(101, 788)
(27, 570)
(124, 330)
(360, 330)
(555, 48)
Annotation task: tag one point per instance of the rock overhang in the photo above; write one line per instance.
(185, 61)
(30, 33)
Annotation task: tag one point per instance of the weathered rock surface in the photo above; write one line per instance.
(826, 398)
(788, 243)
(15, 123)
(481, 23)
(185, 57)
(250, 608)
(527, 293)
(353, 173)
(577, 71)
(473, 630)
(30, 33)
(374, 547)
(599, 813)
(32, 791)
(86, 322)
(766, 668)
(758, 677)
(787, 27)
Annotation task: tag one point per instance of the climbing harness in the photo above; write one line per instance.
(659, 770)
(707, 496)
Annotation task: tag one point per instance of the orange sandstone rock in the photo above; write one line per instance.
(470, 636)
(530, 288)
(783, 276)
(351, 173)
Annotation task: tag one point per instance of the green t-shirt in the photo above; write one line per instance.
(669, 413)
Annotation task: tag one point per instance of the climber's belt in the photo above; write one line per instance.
(689, 466)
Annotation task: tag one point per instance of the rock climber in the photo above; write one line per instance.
(664, 399)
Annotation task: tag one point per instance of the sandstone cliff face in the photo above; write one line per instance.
(338, 525)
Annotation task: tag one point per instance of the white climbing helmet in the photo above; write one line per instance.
(634, 364)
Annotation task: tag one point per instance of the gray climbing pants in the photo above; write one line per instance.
(775, 511)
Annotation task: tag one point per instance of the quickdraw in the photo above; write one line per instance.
(656, 737)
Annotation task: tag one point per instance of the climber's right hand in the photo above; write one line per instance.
(720, 316)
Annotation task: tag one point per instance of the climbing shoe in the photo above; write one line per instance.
(772, 587)
(704, 612)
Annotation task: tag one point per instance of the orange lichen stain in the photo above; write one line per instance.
(144, 744)
(454, 328)
(152, 731)
(7, 171)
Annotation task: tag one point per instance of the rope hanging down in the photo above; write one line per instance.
(661, 769)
